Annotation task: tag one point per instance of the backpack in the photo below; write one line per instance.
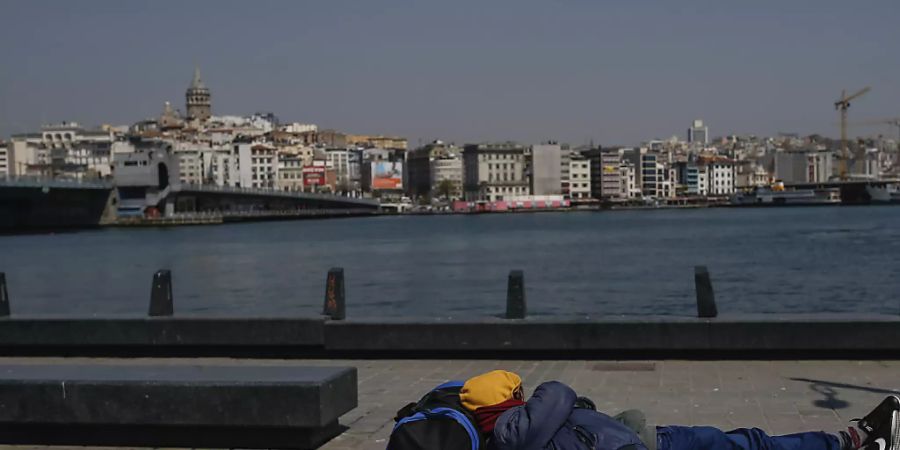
(436, 422)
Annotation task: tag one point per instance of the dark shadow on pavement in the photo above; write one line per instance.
(831, 400)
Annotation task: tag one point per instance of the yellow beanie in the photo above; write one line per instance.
(489, 389)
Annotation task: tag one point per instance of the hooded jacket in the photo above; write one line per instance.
(549, 420)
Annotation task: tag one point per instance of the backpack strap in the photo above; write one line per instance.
(405, 411)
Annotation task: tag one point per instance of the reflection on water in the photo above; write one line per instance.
(827, 259)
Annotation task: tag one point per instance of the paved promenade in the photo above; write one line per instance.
(778, 396)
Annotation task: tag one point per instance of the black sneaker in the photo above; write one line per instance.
(882, 426)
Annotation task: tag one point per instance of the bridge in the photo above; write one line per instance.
(149, 190)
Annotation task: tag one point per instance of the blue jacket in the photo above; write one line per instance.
(549, 421)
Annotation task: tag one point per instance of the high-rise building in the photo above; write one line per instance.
(546, 174)
(198, 99)
(698, 133)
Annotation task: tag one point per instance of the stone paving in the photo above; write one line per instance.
(777, 396)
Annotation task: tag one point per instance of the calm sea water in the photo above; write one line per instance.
(826, 259)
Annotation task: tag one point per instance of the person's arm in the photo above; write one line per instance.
(533, 425)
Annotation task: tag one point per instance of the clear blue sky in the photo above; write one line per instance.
(459, 70)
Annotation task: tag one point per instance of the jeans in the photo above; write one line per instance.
(709, 438)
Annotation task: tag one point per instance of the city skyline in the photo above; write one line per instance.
(441, 71)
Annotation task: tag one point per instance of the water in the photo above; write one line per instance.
(826, 259)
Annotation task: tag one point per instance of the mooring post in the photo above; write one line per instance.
(4, 296)
(161, 302)
(515, 295)
(335, 299)
(706, 299)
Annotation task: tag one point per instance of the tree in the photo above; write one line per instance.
(445, 189)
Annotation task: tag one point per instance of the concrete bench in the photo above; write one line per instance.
(252, 406)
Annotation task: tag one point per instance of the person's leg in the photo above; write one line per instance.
(709, 438)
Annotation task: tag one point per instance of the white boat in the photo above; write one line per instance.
(887, 193)
(766, 196)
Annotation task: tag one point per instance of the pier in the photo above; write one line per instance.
(786, 373)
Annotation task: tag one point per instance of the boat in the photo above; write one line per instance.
(885, 193)
(777, 195)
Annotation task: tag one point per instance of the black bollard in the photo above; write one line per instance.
(335, 299)
(515, 295)
(706, 299)
(4, 296)
(161, 302)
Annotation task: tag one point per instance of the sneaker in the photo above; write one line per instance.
(882, 426)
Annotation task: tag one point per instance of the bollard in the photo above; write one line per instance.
(4, 296)
(161, 302)
(706, 299)
(515, 295)
(335, 299)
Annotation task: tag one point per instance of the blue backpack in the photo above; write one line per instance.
(436, 422)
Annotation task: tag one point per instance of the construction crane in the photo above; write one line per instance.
(842, 105)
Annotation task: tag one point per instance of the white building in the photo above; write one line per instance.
(299, 128)
(339, 160)
(579, 178)
(448, 168)
(721, 177)
(71, 134)
(494, 171)
(628, 187)
(254, 165)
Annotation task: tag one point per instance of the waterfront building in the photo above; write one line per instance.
(494, 171)
(749, 174)
(650, 177)
(546, 173)
(564, 158)
(425, 164)
(721, 177)
(698, 133)
(339, 160)
(254, 165)
(64, 150)
(610, 174)
(628, 187)
(447, 176)
(199, 162)
(198, 100)
(579, 177)
(4, 159)
(290, 173)
(145, 176)
(805, 166)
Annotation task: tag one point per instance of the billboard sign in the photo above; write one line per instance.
(313, 175)
(387, 175)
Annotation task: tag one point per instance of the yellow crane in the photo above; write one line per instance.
(842, 105)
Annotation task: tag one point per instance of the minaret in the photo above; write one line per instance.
(198, 99)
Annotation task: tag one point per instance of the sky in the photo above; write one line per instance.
(615, 72)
